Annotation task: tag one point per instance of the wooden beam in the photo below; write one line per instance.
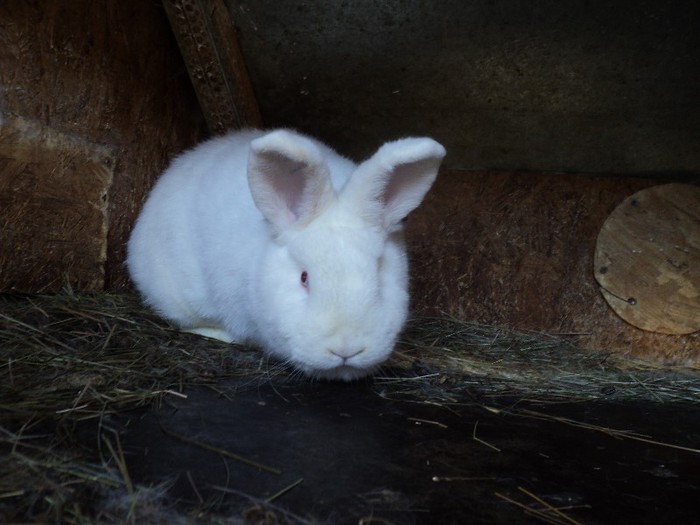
(207, 39)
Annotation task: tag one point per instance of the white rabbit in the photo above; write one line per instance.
(274, 238)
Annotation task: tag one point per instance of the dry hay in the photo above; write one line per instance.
(72, 359)
(492, 361)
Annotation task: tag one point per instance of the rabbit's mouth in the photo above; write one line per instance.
(343, 372)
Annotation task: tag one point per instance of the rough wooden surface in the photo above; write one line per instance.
(208, 42)
(647, 259)
(53, 209)
(516, 249)
(109, 75)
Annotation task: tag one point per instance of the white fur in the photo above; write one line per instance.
(228, 229)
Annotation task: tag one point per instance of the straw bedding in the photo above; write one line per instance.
(69, 362)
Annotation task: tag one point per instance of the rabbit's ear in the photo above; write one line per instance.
(392, 183)
(288, 178)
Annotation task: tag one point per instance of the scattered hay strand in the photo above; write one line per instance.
(284, 490)
(612, 432)
(547, 513)
(479, 440)
(221, 451)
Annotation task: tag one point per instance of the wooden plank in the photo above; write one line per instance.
(100, 73)
(647, 259)
(53, 209)
(208, 43)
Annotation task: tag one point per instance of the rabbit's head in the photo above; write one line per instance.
(332, 284)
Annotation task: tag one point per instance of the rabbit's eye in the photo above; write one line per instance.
(305, 279)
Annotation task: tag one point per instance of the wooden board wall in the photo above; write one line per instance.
(53, 202)
(516, 249)
(100, 76)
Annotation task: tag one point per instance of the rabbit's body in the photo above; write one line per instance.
(248, 238)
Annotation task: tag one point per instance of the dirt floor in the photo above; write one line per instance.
(108, 415)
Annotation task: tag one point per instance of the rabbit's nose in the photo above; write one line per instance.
(346, 353)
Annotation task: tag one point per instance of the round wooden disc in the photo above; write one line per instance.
(647, 259)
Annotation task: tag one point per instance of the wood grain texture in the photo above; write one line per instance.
(516, 249)
(208, 42)
(53, 209)
(104, 74)
(647, 259)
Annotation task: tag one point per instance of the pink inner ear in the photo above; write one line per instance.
(288, 178)
(287, 181)
(406, 187)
